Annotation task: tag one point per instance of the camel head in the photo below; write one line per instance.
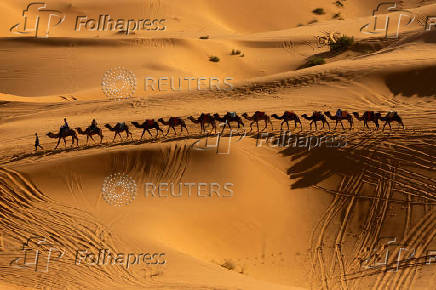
(216, 116)
(108, 126)
(136, 124)
(327, 113)
(304, 115)
(52, 135)
(356, 114)
(378, 115)
(79, 130)
(161, 120)
(245, 115)
(275, 116)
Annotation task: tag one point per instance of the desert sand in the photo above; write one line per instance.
(324, 218)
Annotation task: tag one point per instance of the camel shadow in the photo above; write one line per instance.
(310, 167)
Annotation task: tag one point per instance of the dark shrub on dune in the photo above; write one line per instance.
(342, 44)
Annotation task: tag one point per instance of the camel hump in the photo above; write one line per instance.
(149, 122)
(391, 114)
(259, 114)
(369, 115)
(231, 114)
(317, 114)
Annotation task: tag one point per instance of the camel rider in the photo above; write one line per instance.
(65, 125)
(93, 124)
(339, 113)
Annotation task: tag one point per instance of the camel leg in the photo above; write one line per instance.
(257, 125)
(92, 138)
(168, 131)
(142, 135)
(266, 125)
(187, 132)
(400, 122)
(272, 127)
(149, 133)
(225, 124)
(65, 142)
(230, 127)
(59, 140)
(281, 126)
(342, 125)
(251, 127)
(213, 127)
(335, 126)
(101, 138)
(325, 122)
(174, 129)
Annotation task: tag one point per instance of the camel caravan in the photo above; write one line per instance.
(227, 120)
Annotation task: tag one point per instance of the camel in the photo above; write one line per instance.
(368, 116)
(89, 132)
(258, 116)
(288, 116)
(63, 134)
(172, 123)
(118, 128)
(342, 115)
(203, 120)
(316, 117)
(147, 125)
(227, 119)
(391, 117)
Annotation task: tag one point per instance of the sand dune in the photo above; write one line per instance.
(294, 218)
